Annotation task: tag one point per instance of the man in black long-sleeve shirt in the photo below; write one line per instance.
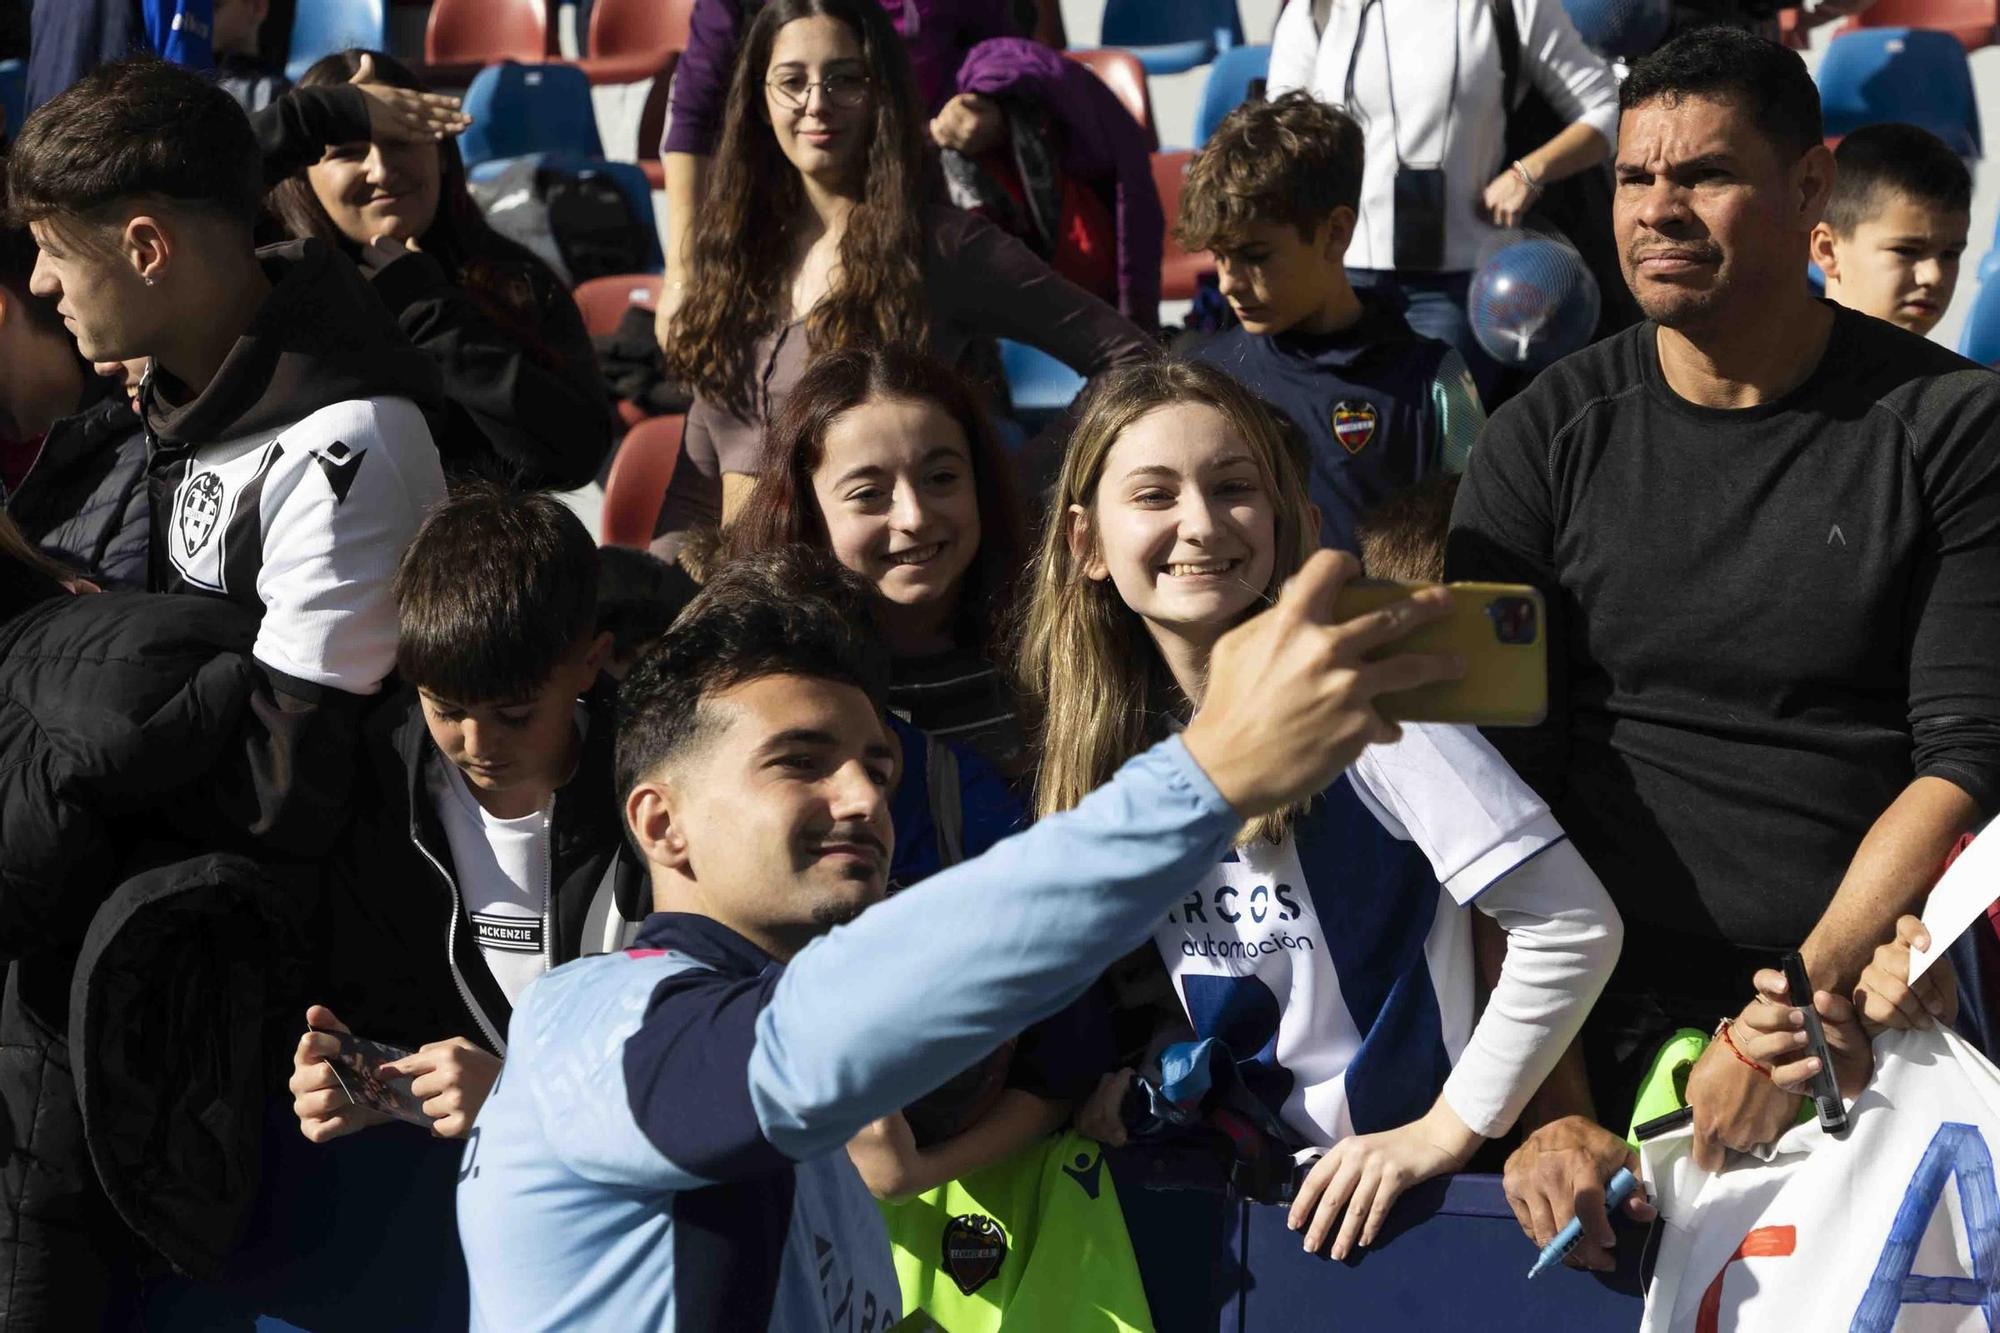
(1769, 533)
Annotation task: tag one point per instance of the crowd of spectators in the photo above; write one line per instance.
(409, 905)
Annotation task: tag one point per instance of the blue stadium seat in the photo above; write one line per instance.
(1980, 339)
(631, 181)
(1878, 75)
(521, 109)
(1037, 382)
(1228, 86)
(325, 26)
(13, 95)
(1169, 36)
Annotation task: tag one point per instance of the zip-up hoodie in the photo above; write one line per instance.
(405, 966)
(293, 482)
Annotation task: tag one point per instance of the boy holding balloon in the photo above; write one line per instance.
(1273, 196)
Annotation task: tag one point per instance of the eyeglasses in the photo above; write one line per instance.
(843, 90)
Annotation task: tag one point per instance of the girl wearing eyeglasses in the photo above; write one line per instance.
(824, 227)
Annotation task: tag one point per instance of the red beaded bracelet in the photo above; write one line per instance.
(1722, 1031)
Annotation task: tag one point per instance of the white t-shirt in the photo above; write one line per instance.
(503, 871)
(1336, 964)
(1416, 58)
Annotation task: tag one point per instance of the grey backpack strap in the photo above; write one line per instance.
(947, 811)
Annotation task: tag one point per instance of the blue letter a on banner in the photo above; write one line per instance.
(1956, 1151)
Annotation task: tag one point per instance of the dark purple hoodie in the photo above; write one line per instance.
(1102, 143)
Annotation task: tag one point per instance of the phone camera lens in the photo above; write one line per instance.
(1514, 619)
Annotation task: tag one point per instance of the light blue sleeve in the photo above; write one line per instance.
(1460, 417)
(920, 987)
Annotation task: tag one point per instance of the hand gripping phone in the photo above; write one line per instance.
(1499, 629)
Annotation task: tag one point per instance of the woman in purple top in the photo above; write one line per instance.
(936, 34)
(821, 232)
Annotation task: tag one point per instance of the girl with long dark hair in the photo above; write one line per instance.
(527, 402)
(822, 229)
(884, 458)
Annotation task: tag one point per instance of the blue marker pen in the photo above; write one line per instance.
(1615, 1194)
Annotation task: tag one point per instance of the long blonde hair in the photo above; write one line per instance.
(1085, 659)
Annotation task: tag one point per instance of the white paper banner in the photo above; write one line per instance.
(1895, 1226)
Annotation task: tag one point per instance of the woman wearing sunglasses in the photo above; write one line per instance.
(825, 227)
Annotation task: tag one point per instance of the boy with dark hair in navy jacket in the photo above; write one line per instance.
(1273, 196)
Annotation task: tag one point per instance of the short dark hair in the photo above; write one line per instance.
(1766, 79)
(793, 611)
(496, 588)
(638, 596)
(1878, 161)
(1291, 160)
(1403, 537)
(134, 128)
(17, 267)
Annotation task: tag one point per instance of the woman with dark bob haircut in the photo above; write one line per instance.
(527, 402)
(883, 457)
(824, 228)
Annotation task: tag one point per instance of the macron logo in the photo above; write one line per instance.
(1836, 536)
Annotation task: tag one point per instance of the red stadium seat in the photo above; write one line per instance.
(637, 486)
(632, 40)
(465, 36)
(1123, 73)
(1179, 270)
(1975, 23)
(604, 301)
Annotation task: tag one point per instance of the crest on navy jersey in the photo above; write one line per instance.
(1354, 422)
(974, 1249)
(201, 510)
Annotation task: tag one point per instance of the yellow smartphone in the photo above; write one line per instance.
(1500, 629)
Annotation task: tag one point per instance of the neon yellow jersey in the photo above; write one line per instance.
(1036, 1242)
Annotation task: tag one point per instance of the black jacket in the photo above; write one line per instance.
(403, 965)
(526, 402)
(131, 734)
(84, 500)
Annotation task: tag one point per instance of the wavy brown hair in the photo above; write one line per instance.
(783, 511)
(744, 239)
(495, 272)
(1101, 689)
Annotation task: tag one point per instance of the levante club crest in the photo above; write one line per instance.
(1354, 424)
(974, 1249)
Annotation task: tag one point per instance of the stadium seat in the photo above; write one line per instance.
(1037, 382)
(1180, 271)
(637, 484)
(521, 109)
(631, 40)
(1980, 339)
(604, 301)
(1228, 86)
(465, 36)
(13, 96)
(1878, 75)
(1975, 23)
(1123, 74)
(1169, 36)
(327, 26)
